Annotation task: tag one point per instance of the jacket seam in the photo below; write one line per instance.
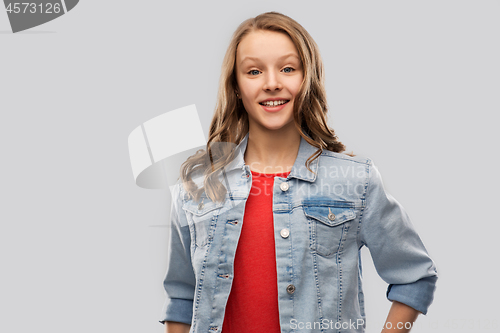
(363, 199)
(345, 158)
(339, 310)
(320, 309)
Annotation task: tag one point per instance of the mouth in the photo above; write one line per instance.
(272, 104)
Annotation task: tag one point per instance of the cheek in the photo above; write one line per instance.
(249, 95)
(248, 89)
(245, 97)
(296, 85)
(247, 104)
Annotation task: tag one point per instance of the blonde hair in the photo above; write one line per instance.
(230, 121)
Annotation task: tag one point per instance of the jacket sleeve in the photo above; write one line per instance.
(398, 253)
(179, 282)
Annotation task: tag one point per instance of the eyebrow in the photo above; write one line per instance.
(280, 58)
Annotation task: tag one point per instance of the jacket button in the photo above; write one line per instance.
(284, 187)
(290, 289)
(200, 206)
(331, 216)
(284, 233)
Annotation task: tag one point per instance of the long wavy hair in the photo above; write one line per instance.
(230, 121)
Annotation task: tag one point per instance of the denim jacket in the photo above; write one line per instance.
(321, 222)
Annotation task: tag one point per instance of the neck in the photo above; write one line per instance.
(272, 151)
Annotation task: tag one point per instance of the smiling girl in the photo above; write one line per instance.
(265, 230)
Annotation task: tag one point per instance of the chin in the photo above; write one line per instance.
(275, 127)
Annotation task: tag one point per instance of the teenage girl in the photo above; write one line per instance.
(268, 221)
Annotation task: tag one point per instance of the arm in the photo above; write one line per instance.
(174, 327)
(400, 318)
(179, 282)
(398, 253)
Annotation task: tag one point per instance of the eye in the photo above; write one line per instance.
(254, 72)
(288, 69)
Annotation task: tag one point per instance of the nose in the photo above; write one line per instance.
(272, 82)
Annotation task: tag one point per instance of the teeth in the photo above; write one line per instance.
(274, 103)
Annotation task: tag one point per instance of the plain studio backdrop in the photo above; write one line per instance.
(414, 85)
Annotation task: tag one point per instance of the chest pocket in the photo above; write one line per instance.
(329, 224)
(202, 218)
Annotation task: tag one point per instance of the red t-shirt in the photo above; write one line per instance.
(252, 305)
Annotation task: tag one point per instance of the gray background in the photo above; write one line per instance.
(413, 85)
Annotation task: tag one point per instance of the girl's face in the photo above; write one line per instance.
(269, 74)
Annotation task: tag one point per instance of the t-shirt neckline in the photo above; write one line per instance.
(279, 174)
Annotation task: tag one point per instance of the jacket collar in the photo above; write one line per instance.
(299, 169)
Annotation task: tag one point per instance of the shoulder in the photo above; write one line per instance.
(328, 156)
(349, 168)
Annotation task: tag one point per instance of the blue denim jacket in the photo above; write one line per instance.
(321, 222)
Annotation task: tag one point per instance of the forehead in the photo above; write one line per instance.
(265, 45)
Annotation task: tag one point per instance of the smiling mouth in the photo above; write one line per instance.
(271, 104)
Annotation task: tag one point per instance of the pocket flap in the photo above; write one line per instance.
(330, 215)
(202, 207)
